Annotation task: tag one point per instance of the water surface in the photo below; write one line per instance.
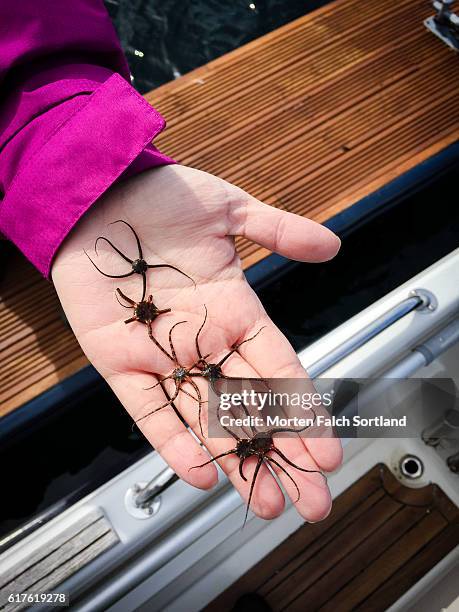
(164, 39)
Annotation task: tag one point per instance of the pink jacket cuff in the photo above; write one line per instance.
(107, 135)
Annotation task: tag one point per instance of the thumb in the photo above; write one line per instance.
(285, 233)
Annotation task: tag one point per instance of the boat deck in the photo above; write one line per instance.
(378, 541)
(309, 118)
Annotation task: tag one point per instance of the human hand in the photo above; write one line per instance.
(188, 218)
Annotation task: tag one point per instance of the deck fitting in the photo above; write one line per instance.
(445, 24)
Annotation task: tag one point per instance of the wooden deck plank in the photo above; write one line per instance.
(309, 118)
(403, 579)
(47, 565)
(364, 556)
(37, 349)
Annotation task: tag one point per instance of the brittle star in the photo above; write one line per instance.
(145, 312)
(259, 445)
(138, 266)
(213, 371)
(180, 375)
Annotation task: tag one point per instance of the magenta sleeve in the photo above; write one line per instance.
(70, 122)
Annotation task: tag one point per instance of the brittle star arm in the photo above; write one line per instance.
(196, 340)
(297, 467)
(169, 403)
(160, 382)
(114, 247)
(104, 273)
(171, 344)
(153, 339)
(144, 286)
(281, 467)
(170, 377)
(227, 429)
(255, 474)
(139, 246)
(198, 399)
(172, 268)
(276, 430)
(241, 466)
(125, 297)
(230, 452)
(237, 346)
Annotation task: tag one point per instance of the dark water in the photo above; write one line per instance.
(164, 39)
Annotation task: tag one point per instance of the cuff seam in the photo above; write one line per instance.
(96, 94)
(87, 205)
(46, 198)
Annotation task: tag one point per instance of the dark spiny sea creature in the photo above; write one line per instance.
(180, 375)
(260, 445)
(144, 312)
(138, 265)
(213, 371)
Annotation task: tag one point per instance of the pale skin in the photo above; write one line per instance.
(187, 218)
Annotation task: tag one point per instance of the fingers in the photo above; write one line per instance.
(308, 491)
(163, 429)
(288, 234)
(169, 436)
(325, 449)
(314, 502)
(267, 499)
(270, 354)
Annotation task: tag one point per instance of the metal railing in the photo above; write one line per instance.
(419, 300)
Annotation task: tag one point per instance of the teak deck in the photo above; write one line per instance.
(370, 550)
(309, 118)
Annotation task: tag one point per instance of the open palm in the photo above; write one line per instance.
(187, 218)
